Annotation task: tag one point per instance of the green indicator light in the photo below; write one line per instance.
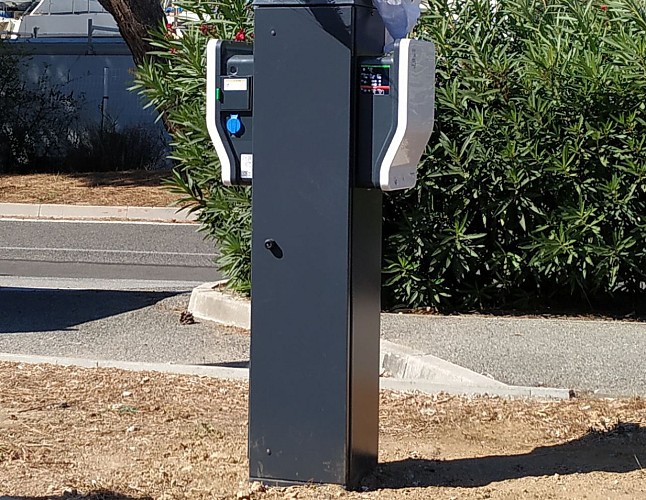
(375, 65)
(218, 94)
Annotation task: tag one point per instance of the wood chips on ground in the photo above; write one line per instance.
(68, 432)
(139, 188)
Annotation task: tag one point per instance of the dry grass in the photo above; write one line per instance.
(110, 434)
(129, 188)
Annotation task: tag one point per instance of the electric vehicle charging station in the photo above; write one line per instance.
(321, 122)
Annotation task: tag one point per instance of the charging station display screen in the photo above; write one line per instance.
(375, 79)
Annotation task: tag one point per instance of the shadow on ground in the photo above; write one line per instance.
(126, 178)
(95, 495)
(39, 310)
(229, 364)
(621, 449)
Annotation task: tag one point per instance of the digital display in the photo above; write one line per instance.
(375, 79)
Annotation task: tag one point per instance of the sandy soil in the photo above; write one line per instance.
(133, 188)
(110, 434)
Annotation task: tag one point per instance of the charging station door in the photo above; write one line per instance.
(396, 114)
(229, 106)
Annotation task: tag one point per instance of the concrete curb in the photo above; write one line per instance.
(243, 374)
(403, 368)
(55, 211)
(401, 362)
(202, 370)
(208, 303)
(507, 391)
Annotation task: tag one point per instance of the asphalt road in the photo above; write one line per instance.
(107, 250)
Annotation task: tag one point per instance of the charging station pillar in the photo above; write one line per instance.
(316, 247)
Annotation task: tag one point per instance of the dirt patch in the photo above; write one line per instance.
(111, 434)
(139, 188)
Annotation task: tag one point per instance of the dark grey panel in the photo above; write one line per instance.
(235, 60)
(377, 120)
(366, 301)
(315, 252)
(301, 199)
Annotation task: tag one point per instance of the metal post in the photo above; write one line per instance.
(104, 100)
(316, 248)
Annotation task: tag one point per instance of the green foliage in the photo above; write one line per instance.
(40, 129)
(533, 187)
(174, 81)
(105, 148)
(35, 119)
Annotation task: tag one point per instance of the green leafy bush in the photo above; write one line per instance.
(174, 81)
(532, 189)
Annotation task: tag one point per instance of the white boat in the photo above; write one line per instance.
(57, 18)
(73, 18)
(9, 17)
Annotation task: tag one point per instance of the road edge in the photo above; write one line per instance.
(95, 212)
(228, 373)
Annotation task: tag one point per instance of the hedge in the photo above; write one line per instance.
(532, 187)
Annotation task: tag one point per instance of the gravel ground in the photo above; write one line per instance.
(605, 357)
(120, 325)
(602, 357)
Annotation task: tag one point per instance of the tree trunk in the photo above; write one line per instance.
(136, 19)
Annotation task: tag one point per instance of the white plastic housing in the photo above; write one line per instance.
(415, 114)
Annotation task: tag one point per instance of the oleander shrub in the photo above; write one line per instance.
(532, 187)
(174, 81)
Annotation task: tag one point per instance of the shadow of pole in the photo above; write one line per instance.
(93, 495)
(44, 310)
(129, 178)
(620, 449)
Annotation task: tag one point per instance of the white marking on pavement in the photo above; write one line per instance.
(37, 283)
(111, 251)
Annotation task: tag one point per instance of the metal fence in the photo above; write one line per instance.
(97, 71)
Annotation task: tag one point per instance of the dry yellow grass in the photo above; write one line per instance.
(131, 188)
(110, 434)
